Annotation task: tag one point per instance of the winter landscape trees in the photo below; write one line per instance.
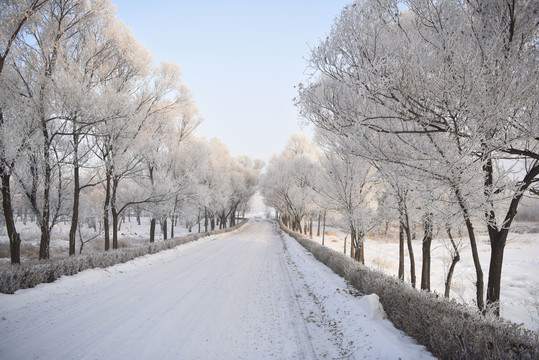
(86, 117)
(444, 92)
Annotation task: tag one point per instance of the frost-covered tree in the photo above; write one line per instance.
(15, 17)
(244, 175)
(38, 63)
(349, 186)
(81, 104)
(455, 115)
(288, 184)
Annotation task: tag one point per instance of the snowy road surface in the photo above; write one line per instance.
(248, 294)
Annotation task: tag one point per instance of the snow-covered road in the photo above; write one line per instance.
(248, 294)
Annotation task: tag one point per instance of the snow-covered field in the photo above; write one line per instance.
(248, 294)
(130, 234)
(520, 274)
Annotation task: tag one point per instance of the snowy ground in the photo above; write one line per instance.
(130, 234)
(520, 274)
(248, 294)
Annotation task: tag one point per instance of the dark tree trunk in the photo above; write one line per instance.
(14, 237)
(114, 227)
(352, 243)
(359, 246)
(106, 211)
(172, 220)
(165, 226)
(401, 250)
(454, 260)
(114, 213)
(152, 230)
(75, 212)
(205, 220)
(410, 249)
(44, 245)
(480, 298)
(427, 240)
(212, 223)
(233, 217)
(324, 229)
(495, 271)
(498, 238)
(318, 229)
(76, 192)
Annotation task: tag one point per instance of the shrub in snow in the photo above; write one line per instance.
(448, 329)
(28, 275)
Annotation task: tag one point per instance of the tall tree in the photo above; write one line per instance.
(451, 115)
(14, 16)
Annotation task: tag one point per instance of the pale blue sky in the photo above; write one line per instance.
(241, 59)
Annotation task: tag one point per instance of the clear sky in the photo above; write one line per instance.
(241, 60)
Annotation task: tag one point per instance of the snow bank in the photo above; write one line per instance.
(449, 330)
(372, 306)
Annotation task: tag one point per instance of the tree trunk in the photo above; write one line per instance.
(172, 220)
(352, 242)
(114, 227)
(44, 244)
(498, 238)
(427, 240)
(152, 230)
(410, 248)
(454, 260)
(165, 227)
(495, 272)
(205, 220)
(401, 250)
(106, 212)
(76, 192)
(318, 229)
(480, 298)
(212, 223)
(14, 237)
(115, 214)
(233, 217)
(324, 229)
(222, 224)
(360, 248)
